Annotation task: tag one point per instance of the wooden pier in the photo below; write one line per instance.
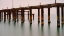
(14, 12)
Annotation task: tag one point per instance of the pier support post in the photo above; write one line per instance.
(48, 14)
(62, 15)
(58, 17)
(0, 15)
(14, 14)
(17, 14)
(22, 14)
(28, 15)
(38, 15)
(4, 15)
(31, 15)
(42, 15)
(9, 15)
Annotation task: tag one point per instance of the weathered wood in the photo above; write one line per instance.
(4, 15)
(58, 16)
(38, 15)
(17, 15)
(0, 15)
(30, 14)
(42, 15)
(22, 14)
(62, 14)
(49, 15)
(38, 6)
(14, 14)
(9, 15)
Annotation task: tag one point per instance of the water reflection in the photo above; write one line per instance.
(14, 23)
(49, 23)
(42, 30)
(38, 25)
(22, 21)
(4, 21)
(58, 31)
(0, 20)
(38, 21)
(39, 31)
(49, 30)
(22, 28)
(30, 29)
(22, 24)
(9, 22)
(30, 22)
(62, 26)
(62, 30)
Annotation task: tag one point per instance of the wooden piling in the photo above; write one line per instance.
(42, 15)
(28, 15)
(0, 15)
(4, 15)
(22, 14)
(62, 15)
(48, 14)
(9, 14)
(14, 14)
(17, 14)
(58, 16)
(38, 15)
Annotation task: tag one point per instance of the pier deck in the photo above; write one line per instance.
(37, 6)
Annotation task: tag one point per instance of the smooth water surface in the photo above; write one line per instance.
(26, 29)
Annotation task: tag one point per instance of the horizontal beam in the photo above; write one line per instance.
(36, 7)
(24, 14)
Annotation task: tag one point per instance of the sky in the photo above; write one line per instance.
(16, 3)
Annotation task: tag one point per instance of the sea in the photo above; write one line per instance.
(35, 29)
